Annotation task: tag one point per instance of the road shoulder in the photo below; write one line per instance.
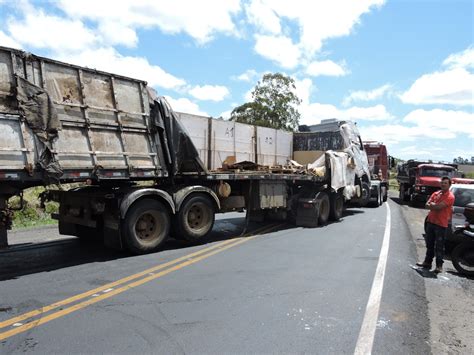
(450, 297)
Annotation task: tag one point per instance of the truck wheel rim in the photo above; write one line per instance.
(148, 226)
(324, 209)
(198, 216)
(365, 193)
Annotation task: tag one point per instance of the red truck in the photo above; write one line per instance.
(379, 164)
(419, 179)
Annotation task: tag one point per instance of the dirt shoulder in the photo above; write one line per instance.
(450, 296)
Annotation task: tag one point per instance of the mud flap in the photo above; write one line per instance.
(307, 212)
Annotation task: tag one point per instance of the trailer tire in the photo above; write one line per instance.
(406, 198)
(146, 226)
(462, 258)
(195, 218)
(336, 206)
(324, 207)
(365, 190)
(403, 195)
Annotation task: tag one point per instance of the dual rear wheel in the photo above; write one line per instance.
(331, 207)
(147, 223)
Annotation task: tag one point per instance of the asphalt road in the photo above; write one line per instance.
(286, 290)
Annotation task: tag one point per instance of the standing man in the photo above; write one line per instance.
(440, 205)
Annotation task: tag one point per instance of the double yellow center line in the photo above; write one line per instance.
(37, 317)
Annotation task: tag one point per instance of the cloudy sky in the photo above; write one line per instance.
(402, 69)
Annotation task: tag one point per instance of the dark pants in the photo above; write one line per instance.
(435, 236)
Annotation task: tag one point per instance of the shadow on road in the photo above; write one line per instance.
(413, 204)
(455, 273)
(425, 273)
(30, 258)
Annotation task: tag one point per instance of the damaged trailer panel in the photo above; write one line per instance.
(63, 122)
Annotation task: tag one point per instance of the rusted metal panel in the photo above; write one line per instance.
(105, 118)
(6, 81)
(270, 194)
(17, 146)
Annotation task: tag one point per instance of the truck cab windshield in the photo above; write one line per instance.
(436, 172)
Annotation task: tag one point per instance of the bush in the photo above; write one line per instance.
(32, 214)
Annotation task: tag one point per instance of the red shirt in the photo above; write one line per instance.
(443, 216)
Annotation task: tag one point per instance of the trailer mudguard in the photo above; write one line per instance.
(134, 195)
(180, 195)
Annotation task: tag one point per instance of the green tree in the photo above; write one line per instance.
(274, 104)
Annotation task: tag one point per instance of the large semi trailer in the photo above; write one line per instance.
(61, 123)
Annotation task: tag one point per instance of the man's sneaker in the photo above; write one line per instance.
(424, 265)
(438, 269)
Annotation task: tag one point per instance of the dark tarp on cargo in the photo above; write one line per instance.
(38, 109)
(180, 153)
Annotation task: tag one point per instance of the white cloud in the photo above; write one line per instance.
(263, 17)
(304, 88)
(185, 105)
(40, 30)
(415, 151)
(108, 59)
(423, 124)
(367, 95)
(372, 113)
(225, 115)
(453, 87)
(326, 67)
(316, 21)
(464, 59)
(7, 41)
(199, 19)
(449, 121)
(279, 49)
(248, 95)
(115, 33)
(315, 112)
(209, 92)
(248, 76)
(396, 133)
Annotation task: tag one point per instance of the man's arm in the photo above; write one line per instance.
(428, 203)
(436, 207)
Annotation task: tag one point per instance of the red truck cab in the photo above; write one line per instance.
(428, 179)
(419, 179)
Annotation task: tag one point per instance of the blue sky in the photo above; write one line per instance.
(402, 69)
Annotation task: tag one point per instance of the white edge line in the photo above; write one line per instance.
(367, 330)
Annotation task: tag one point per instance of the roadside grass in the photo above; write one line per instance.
(392, 181)
(32, 215)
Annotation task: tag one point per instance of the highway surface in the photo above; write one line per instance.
(348, 287)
